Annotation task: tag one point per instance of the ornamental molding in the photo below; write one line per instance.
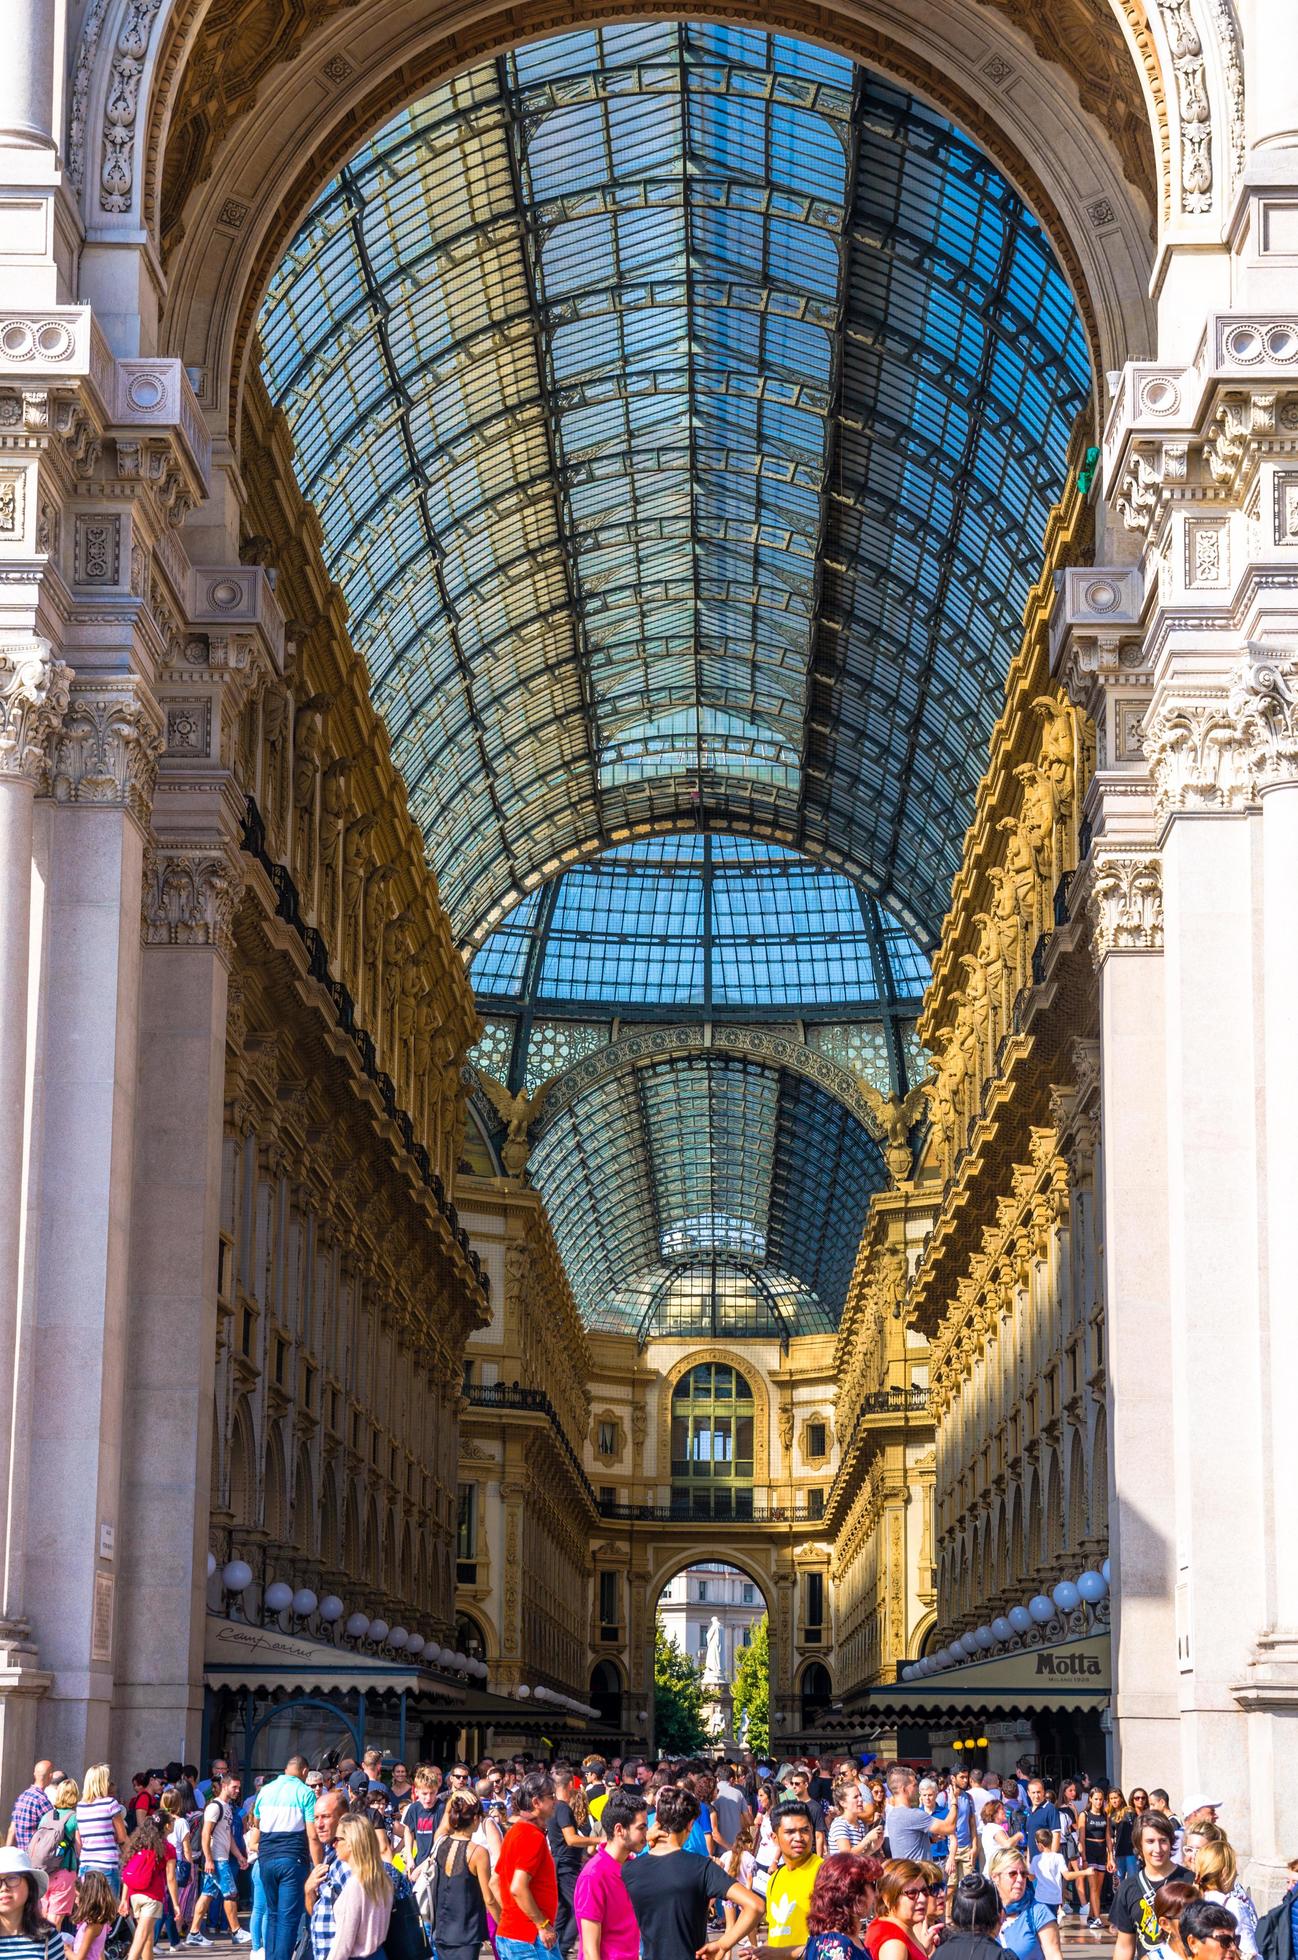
(121, 107)
(1194, 104)
(107, 750)
(1263, 703)
(190, 897)
(1125, 902)
(747, 1043)
(33, 695)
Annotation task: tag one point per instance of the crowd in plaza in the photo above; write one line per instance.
(628, 1860)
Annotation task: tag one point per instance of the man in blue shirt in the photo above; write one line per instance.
(286, 1851)
(1042, 1816)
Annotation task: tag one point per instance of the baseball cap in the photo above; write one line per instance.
(1197, 1802)
(358, 1780)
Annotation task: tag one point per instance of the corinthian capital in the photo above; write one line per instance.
(1263, 703)
(190, 896)
(1197, 756)
(1126, 902)
(107, 750)
(33, 695)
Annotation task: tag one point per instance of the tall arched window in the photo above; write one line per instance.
(712, 1443)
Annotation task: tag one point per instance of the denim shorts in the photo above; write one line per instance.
(223, 1883)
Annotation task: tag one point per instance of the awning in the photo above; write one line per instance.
(1075, 1674)
(239, 1656)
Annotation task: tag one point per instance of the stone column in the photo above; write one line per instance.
(101, 782)
(27, 76)
(1127, 939)
(188, 910)
(33, 694)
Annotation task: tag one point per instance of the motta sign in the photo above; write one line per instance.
(1072, 1666)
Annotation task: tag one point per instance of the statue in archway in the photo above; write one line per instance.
(714, 1668)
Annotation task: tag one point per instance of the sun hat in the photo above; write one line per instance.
(16, 1864)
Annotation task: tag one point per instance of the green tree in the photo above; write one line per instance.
(751, 1693)
(678, 1699)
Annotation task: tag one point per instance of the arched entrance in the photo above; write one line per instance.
(711, 1660)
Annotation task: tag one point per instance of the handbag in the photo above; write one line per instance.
(405, 1938)
(424, 1883)
(118, 1944)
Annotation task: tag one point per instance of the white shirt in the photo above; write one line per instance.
(218, 1814)
(1048, 1868)
(1244, 1913)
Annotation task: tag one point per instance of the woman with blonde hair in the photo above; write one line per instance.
(1216, 1873)
(363, 1908)
(101, 1824)
(1028, 1930)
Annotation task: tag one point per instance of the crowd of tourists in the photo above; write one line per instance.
(628, 1860)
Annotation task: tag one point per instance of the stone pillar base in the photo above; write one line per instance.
(22, 1684)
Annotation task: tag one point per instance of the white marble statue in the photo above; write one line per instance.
(714, 1666)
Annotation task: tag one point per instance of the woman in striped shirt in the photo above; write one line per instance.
(101, 1831)
(24, 1933)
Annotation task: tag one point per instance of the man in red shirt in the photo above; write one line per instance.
(525, 1875)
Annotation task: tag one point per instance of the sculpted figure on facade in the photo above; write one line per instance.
(308, 740)
(333, 823)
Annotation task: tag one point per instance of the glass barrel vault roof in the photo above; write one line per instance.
(715, 922)
(682, 406)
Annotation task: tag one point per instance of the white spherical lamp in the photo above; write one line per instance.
(1066, 1596)
(1092, 1586)
(211, 1565)
(1020, 1619)
(415, 1643)
(397, 1636)
(1041, 1609)
(1001, 1629)
(357, 1627)
(279, 1597)
(968, 1643)
(1105, 1573)
(237, 1576)
(304, 1602)
(331, 1609)
(523, 1691)
(985, 1638)
(378, 1631)
(908, 1674)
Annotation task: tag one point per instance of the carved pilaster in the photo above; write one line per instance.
(1197, 756)
(1263, 703)
(33, 695)
(190, 896)
(1126, 902)
(106, 752)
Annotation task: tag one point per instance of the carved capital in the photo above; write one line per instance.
(1126, 902)
(33, 695)
(190, 897)
(1263, 703)
(107, 750)
(1198, 757)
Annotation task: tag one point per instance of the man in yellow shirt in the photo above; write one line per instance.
(788, 1895)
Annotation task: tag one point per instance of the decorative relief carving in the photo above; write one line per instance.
(189, 727)
(1205, 552)
(117, 166)
(190, 898)
(1126, 903)
(1286, 507)
(1263, 702)
(33, 695)
(97, 552)
(1196, 757)
(107, 749)
(1193, 103)
(12, 487)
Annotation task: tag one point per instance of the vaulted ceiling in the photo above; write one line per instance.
(683, 406)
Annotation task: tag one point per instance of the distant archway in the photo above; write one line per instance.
(606, 1693)
(715, 1614)
(816, 1691)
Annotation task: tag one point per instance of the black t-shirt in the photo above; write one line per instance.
(962, 1945)
(567, 1857)
(671, 1894)
(1133, 1906)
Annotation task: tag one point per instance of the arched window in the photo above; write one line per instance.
(712, 1443)
(816, 1692)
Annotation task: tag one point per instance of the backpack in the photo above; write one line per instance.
(47, 1847)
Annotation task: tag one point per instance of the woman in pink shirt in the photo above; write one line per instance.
(363, 1908)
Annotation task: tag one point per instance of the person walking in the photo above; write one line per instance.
(1132, 1916)
(788, 1894)
(570, 1841)
(25, 1933)
(976, 1914)
(527, 1883)
(462, 1889)
(94, 1912)
(287, 1848)
(149, 1877)
(1216, 1873)
(900, 1930)
(674, 1890)
(362, 1908)
(30, 1807)
(842, 1904)
(1029, 1929)
(606, 1923)
(1098, 1857)
(101, 1825)
(221, 1860)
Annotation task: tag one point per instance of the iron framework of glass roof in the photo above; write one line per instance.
(707, 1194)
(682, 406)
